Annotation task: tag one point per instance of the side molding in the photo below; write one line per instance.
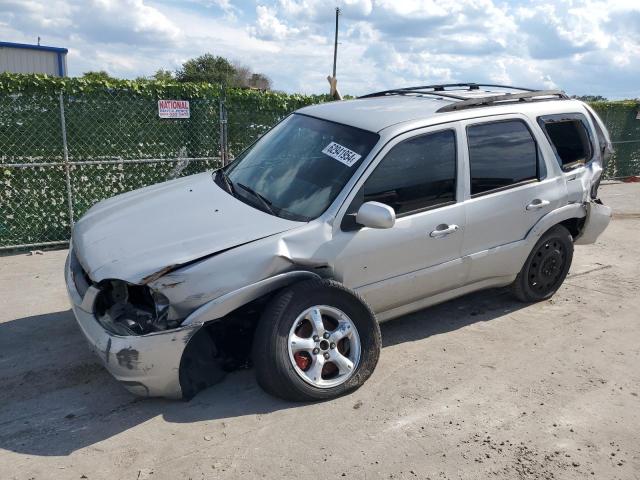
(219, 307)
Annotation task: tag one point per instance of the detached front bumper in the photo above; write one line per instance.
(147, 365)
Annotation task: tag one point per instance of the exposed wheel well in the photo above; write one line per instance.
(574, 225)
(220, 347)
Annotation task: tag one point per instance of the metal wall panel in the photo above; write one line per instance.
(22, 60)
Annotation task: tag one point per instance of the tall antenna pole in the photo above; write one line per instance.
(333, 81)
(335, 45)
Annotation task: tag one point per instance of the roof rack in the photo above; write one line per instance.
(505, 97)
(441, 90)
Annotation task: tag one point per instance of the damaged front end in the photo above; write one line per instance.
(133, 331)
(152, 343)
(123, 308)
(127, 309)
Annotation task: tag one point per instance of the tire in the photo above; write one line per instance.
(287, 357)
(546, 267)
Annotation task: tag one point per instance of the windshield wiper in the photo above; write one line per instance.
(227, 182)
(266, 204)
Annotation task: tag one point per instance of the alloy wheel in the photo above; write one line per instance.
(324, 346)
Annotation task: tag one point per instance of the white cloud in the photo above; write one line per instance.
(321, 10)
(127, 21)
(552, 32)
(582, 46)
(269, 26)
(39, 16)
(100, 21)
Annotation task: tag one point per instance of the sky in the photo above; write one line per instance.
(581, 46)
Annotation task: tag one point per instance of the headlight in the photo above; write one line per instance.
(127, 309)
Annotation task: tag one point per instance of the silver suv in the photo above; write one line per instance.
(343, 215)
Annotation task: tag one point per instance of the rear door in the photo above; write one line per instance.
(508, 192)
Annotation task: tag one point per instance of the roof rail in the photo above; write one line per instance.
(441, 89)
(505, 97)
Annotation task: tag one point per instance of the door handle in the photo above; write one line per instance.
(443, 230)
(537, 204)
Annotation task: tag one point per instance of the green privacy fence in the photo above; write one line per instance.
(623, 122)
(67, 143)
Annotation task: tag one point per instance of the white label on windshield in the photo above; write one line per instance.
(342, 154)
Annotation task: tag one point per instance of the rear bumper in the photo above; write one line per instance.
(597, 220)
(147, 365)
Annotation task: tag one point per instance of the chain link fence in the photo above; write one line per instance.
(62, 152)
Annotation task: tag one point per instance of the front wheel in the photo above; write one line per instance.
(316, 340)
(546, 267)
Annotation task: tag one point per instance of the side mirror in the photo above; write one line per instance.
(376, 215)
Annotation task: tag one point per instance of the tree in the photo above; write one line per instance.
(163, 75)
(242, 75)
(207, 68)
(590, 98)
(97, 75)
(258, 80)
(215, 69)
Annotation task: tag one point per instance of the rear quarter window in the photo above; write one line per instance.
(569, 136)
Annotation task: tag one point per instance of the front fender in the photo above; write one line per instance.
(221, 306)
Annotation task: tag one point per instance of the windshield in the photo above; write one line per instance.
(298, 168)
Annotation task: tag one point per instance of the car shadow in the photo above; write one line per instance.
(481, 306)
(57, 398)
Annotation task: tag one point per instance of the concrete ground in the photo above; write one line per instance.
(480, 387)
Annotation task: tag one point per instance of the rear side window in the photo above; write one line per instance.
(416, 174)
(569, 137)
(501, 154)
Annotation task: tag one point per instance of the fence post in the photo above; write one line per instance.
(65, 152)
(224, 147)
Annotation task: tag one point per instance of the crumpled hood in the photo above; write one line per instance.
(138, 234)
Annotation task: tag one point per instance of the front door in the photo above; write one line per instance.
(420, 255)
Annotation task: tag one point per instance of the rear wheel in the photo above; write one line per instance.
(546, 267)
(315, 340)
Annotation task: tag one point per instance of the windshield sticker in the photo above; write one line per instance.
(342, 154)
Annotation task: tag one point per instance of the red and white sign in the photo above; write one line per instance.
(173, 109)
